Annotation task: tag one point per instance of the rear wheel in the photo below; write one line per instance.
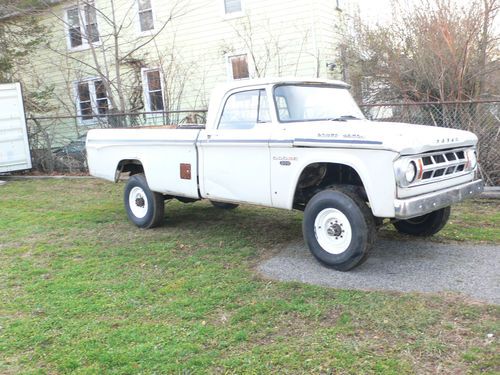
(144, 207)
(338, 228)
(224, 205)
(425, 225)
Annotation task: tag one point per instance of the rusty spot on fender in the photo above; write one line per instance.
(185, 171)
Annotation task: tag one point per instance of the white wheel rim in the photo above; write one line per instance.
(138, 202)
(333, 231)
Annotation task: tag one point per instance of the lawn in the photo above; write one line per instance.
(84, 291)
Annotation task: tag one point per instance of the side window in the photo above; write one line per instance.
(263, 115)
(244, 109)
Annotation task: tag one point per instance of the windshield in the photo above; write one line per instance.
(315, 103)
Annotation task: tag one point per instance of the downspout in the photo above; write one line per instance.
(314, 39)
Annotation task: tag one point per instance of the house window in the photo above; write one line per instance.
(92, 99)
(238, 67)
(82, 26)
(232, 6)
(146, 22)
(153, 90)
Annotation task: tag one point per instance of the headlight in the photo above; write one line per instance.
(406, 171)
(411, 172)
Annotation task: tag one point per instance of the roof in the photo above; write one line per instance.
(278, 80)
(220, 90)
(10, 11)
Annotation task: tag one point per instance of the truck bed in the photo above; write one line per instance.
(157, 149)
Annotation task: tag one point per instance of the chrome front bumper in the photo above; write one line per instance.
(423, 204)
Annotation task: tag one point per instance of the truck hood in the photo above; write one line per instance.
(406, 139)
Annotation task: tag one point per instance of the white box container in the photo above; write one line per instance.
(14, 146)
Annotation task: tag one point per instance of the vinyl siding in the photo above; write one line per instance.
(283, 38)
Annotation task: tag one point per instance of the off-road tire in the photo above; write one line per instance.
(145, 208)
(425, 225)
(355, 214)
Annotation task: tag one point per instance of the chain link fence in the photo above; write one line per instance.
(481, 117)
(58, 143)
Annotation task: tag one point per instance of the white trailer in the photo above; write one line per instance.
(14, 146)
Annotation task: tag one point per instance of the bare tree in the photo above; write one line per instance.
(435, 50)
(268, 50)
(440, 51)
(20, 35)
(111, 55)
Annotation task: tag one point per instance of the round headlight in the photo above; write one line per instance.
(411, 172)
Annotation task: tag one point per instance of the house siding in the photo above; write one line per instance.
(283, 38)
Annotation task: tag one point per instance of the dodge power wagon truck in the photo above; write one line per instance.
(296, 144)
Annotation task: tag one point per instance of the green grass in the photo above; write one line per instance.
(84, 291)
(472, 220)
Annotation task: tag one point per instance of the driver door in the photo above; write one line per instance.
(235, 155)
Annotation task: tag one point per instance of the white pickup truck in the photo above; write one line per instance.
(296, 144)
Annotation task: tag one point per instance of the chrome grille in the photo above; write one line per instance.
(441, 165)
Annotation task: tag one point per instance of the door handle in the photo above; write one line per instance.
(210, 135)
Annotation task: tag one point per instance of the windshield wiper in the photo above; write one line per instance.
(343, 118)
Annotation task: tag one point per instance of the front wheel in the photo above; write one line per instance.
(425, 225)
(338, 228)
(145, 208)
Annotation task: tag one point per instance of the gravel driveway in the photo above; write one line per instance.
(404, 266)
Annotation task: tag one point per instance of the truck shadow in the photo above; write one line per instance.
(261, 224)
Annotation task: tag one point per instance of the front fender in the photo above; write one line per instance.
(374, 167)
